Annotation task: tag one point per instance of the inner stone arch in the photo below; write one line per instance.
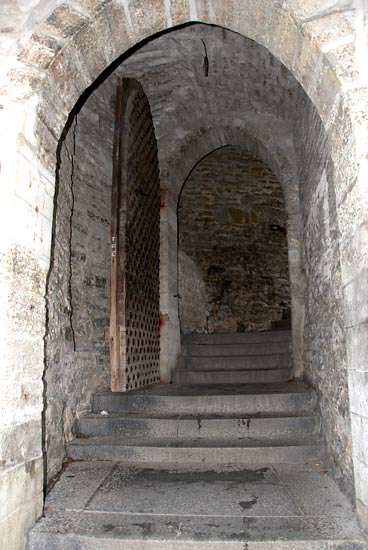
(275, 149)
(233, 253)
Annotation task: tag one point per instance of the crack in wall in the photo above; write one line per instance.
(70, 241)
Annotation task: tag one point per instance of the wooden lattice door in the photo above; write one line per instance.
(135, 241)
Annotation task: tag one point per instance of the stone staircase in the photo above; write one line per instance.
(225, 457)
(245, 358)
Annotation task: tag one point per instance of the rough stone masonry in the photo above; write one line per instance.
(51, 52)
(232, 225)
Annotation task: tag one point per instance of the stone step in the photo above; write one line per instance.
(253, 362)
(200, 427)
(104, 505)
(266, 336)
(93, 530)
(197, 377)
(278, 398)
(211, 452)
(242, 349)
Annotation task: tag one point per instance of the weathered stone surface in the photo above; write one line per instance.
(157, 65)
(192, 296)
(325, 360)
(20, 19)
(19, 485)
(21, 443)
(64, 21)
(226, 212)
(262, 506)
(78, 286)
(40, 50)
(14, 528)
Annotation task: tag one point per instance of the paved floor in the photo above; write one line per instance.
(263, 503)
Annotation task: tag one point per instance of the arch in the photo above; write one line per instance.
(268, 148)
(81, 43)
(96, 36)
(215, 200)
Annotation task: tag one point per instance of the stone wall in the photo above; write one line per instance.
(226, 210)
(50, 54)
(325, 361)
(192, 296)
(77, 355)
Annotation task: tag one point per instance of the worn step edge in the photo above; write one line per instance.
(92, 449)
(190, 376)
(128, 425)
(190, 416)
(87, 531)
(234, 362)
(246, 349)
(241, 337)
(265, 403)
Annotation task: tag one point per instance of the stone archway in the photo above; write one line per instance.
(275, 152)
(62, 58)
(233, 267)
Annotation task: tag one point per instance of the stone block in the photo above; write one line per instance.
(65, 22)
(357, 348)
(40, 50)
(92, 8)
(14, 528)
(18, 84)
(97, 50)
(69, 76)
(359, 429)
(301, 10)
(19, 485)
(16, 353)
(47, 137)
(355, 298)
(22, 442)
(28, 185)
(192, 297)
(177, 12)
(325, 90)
(342, 61)
(283, 35)
(147, 19)
(236, 17)
(358, 387)
(312, 69)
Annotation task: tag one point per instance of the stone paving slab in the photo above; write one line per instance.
(313, 490)
(77, 484)
(97, 531)
(105, 505)
(249, 492)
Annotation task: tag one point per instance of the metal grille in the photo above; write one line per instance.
(139, 236)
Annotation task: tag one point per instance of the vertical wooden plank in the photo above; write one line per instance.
(114, 273)
(135, 235)
(122, 231)
(139, 241)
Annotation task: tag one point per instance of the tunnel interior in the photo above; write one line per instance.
(227, 109)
